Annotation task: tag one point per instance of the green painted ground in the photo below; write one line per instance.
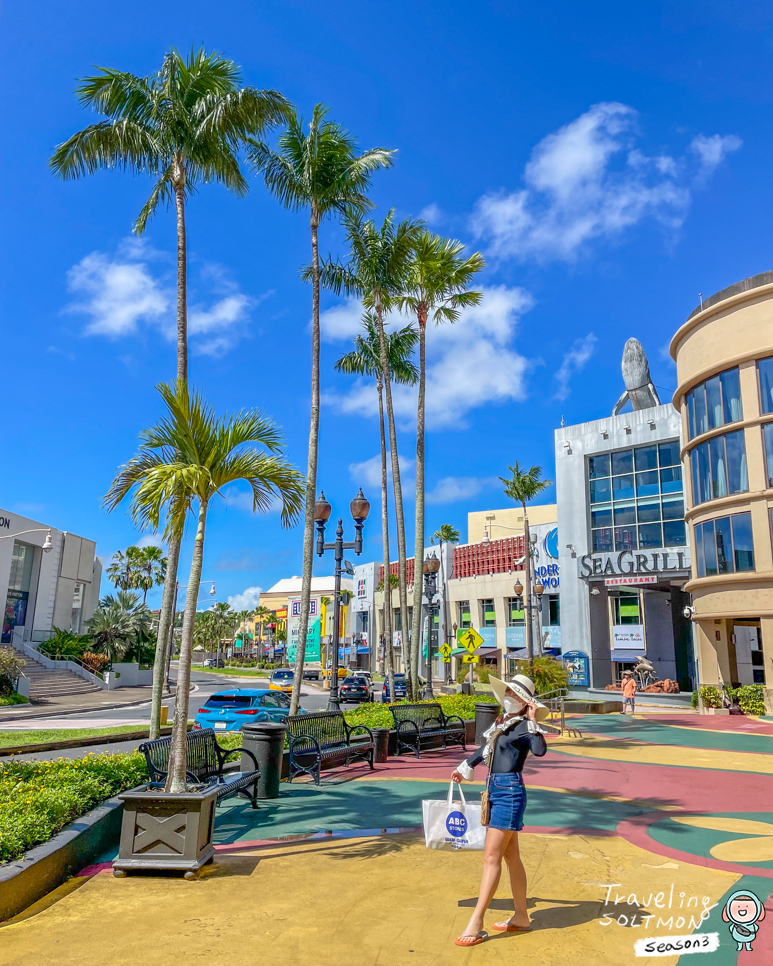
(700, 841)
(636, 729)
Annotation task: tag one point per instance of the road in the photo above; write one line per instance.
(312, 699)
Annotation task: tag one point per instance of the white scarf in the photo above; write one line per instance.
(491, 734)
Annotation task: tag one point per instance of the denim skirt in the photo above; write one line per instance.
(507, 795)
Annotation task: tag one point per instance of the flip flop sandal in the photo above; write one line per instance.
(471, 940)
(506, 927)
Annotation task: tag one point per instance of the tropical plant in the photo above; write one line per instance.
(65, 643)
(11, 667)
(185, 460)
(376, 271)
(547, 673)
(184, 127)
(322, 173)
(149, 569)
(446, 534)
(436, 287)
(365, 360)
(120, 569)
(223, 621)
(120, 626)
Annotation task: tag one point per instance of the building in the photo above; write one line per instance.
(48, 578)
(724, 361)
(623, 551)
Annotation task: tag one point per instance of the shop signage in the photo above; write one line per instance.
(628, 636)
(362, 588)
(5, 522)
(578, 665)
(549, 575)
(628, 563)
(628, 581)
(296, 607)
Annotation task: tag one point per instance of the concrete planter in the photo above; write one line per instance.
(161, 831)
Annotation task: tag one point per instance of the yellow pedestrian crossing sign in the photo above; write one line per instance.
(470, 659)
(469, 638)
(445, 651)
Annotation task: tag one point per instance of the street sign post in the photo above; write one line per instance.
(445, 653)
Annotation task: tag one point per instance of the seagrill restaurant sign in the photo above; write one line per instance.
(635, 564)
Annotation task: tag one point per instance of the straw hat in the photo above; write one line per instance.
(521, 686)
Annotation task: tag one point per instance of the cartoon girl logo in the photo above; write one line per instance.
(743, 911)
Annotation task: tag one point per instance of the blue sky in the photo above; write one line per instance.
(610, 163)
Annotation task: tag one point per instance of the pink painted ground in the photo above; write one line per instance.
(710, 722)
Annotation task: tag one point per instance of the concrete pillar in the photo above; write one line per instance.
(766, 632)
(708, 669)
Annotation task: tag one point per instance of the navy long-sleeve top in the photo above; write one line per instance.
(511, 749)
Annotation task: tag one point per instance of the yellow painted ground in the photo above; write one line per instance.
(386, 901)
(613, 749)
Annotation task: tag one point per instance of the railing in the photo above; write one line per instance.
(79, 662)
(63, 662)
(554, 701)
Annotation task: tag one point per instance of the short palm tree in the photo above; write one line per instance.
(321, 172)
(365, 360)
(149, 569)
(376, 271)
(262, 616)
(121, 568)
(182, 126)
(446, 534)
(185, 460)
(437, 287)
(111, 629)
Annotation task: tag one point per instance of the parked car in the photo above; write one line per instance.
(354, 689)
(400, 688)
(213, 662)
(229, 710)
(281, 679)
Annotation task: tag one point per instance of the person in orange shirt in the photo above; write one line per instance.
(628, 687)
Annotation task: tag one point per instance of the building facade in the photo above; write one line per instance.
(44, 589)
(623, 550)
(724, 360)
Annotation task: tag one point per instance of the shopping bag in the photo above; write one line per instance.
(451, 826)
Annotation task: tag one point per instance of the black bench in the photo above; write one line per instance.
(416, 723)
(321, 736)
(205, 764)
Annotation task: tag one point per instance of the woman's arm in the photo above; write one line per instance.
(537, 744)
(464, 768)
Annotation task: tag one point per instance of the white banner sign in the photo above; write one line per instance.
(628, 636)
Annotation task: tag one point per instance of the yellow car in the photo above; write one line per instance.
(281, 680)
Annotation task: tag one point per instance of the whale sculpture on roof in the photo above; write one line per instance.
(638, 382)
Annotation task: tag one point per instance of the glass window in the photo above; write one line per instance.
(464, 614)
(554, 610)
(724, 540)
(647, 483)
(601, 517)
(622, 487)
(650, 535)
(646, 457)
(718, 467)
(714, 402)
(696, 478)
(515, 615)
(671, 480)
(704, 472)
(765, 369)
(701, 419)
(731, 396)
(721, 467)
(673, 533)
(743, 546)
(598, 466)
(767, 430)
(669, 453)
(600, 490)
(700, 566)
(649, 512)
(625, 513)
(601, 540)
(625, 538)
(710, 549)
(738, 478)
(690, 402)
(627, 610)
(488, 613)
(673, 509)
(622, 462)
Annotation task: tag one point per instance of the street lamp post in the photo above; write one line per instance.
(430, 570)
(359, 509)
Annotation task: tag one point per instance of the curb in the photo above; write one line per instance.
(102, 707)
(46, 866)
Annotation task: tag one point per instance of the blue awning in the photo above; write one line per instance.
(363, 650)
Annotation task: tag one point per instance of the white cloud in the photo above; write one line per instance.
(469, 364)
(119, 293)
(454, 488)
(248, 599)
(432, 214)
(150, 540)
(574, 361)
(587, 180)
(341, 323)
(368, 473)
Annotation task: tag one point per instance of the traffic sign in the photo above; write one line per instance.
(470, 659)
(468, 637)
(446, 660)
(445, 650)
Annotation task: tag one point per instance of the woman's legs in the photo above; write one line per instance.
(517, 883)
(497, 841)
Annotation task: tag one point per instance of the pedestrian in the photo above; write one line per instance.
(506, 744)
(628, 687)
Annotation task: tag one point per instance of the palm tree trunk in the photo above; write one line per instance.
(387, 594)
(175, 781)
(418, 558)
(311, 477)
(164, 638)
(182, 285)
(398, 490)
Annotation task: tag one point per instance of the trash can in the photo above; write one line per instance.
(485, 716)
(265, 739)
(381, 737)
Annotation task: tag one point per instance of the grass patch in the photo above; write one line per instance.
(234, 672)
(10, 739)
(38, 798)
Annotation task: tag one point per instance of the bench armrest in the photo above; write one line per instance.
(311, 738)
(360, 727)
(454, 717)
(406, 722)
(223, 754)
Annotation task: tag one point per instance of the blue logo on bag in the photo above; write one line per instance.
(456, 824)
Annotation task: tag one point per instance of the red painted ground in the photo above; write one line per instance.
(709, 722)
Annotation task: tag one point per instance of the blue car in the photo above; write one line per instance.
(400, 688)
(229, 710)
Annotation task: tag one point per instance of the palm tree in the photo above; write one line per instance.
(185, 460)
(365, 360)
(321, 172)
(377, 272)
(522, 486)
(437, 286)
(184, 127)
(121, 569)
(224, 620)
(262, 616)
(120, 623)
(150, 569)
(241, 617)
(446, 534)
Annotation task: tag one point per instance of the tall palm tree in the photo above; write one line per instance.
(241, 617)
(185, 460)
(121, 568)
(262, 616)
(376, 270)
(522, 486)
(150, 569)
(437, 287)
(183, 126)
(446, 534)
(224, 620)
(319, 172)
(365, 360)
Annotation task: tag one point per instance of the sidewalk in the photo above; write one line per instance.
(72, 703)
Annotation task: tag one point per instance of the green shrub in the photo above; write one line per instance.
(65, 643)
(38, 798)
(694, 699)
(11, 667)
(549, 674)
(710, 696)
(12, 698)
(481, 673)
(749, 698)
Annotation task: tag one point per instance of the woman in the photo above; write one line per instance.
(509, 740)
